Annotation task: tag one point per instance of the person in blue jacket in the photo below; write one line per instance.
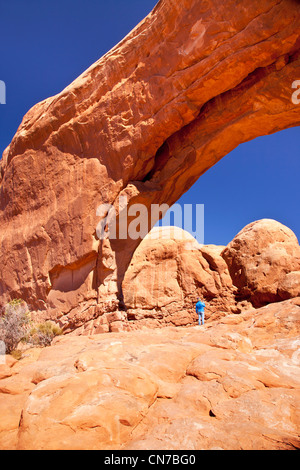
(200, 310)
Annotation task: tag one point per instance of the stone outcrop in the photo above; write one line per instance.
(170, 270)
(264, 262)
(185, 87)
(232, 384)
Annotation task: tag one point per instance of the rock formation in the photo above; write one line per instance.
(168, 271)
(264, 262)
(232, 384)
(185, 87)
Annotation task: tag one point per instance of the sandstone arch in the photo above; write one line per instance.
(185, 87)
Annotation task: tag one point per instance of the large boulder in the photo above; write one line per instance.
(264, 262)
(169, 270)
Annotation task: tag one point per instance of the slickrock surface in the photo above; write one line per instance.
(232, 384)
(185, 87)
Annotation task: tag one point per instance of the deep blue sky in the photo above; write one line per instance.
(45, 45)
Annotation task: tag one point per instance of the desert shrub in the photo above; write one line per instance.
(16, 354)
(14, 324)
(42, 334)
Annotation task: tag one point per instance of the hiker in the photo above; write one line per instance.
(200, 310)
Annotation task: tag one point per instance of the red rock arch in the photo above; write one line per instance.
(185, 87)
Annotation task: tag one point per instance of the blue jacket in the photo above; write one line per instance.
(200, 306)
